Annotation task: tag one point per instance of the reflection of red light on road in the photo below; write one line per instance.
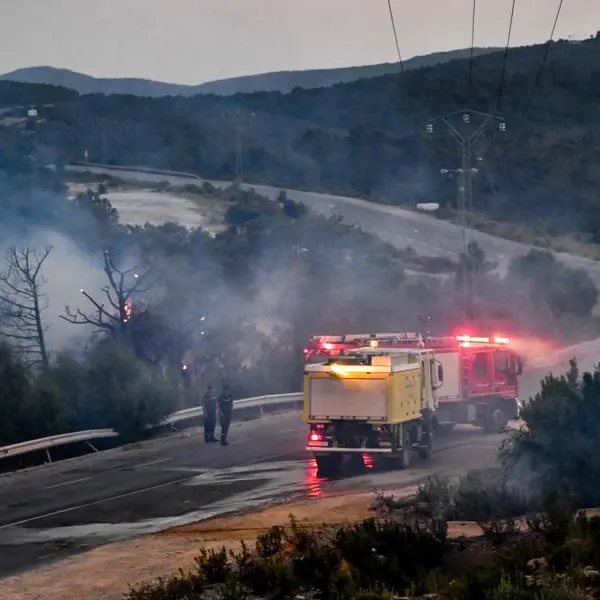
(369, 461)
(313, 482)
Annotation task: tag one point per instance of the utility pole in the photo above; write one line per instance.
(239, 166)
(102, 126)
(466, 127)
(238, 117)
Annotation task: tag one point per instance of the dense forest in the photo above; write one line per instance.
(366, 138)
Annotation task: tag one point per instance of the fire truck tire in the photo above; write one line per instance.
(496, 418)
(328, 466)
(425, 451)
(405, 455)
(356, 462)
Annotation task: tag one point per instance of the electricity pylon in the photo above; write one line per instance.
(466, 132)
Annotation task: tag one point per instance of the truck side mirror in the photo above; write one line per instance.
(437, 375)
(518, 365)
(515, 365)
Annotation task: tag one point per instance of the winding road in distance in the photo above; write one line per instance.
(398, 226)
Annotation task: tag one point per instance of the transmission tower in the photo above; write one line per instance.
(240, 119)
(239, 165)
(466, 127)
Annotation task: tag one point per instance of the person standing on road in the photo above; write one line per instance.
(225, 412)
(209, 408)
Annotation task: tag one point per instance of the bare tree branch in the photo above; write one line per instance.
(122, 286)
(22, 302)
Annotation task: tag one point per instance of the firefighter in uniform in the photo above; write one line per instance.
(209, 407)
(225, 411)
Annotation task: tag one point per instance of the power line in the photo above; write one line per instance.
(503, 74)
(396, 37)
(541, 69)
(472, 49)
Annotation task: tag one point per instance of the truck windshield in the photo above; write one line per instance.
(501, 361)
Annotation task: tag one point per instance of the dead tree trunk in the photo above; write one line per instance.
(114, 316)
(22, 303)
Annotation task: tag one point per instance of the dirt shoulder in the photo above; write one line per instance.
(105, 573)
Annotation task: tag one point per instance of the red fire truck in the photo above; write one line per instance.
(480, 373)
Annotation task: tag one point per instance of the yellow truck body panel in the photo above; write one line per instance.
(404, 399)
(374, 397)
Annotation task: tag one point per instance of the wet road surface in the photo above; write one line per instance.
(54, 511)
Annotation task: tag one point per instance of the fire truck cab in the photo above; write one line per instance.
(481, 373)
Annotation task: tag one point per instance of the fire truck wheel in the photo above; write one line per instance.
(328, 466)
(426, 450)
(496, 419)
(356, 463)
(405, 456)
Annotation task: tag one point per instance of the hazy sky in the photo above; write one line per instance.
(192, 41)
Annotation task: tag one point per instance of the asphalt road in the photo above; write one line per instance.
(51, 511)
(57, 510)
(397, 226)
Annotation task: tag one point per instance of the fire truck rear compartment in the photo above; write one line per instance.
(376, 409)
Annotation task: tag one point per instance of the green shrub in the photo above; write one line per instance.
(213, 566)
(178, 587)
(558, 445)
(481, 499)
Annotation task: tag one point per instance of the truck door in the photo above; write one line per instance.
(505, 376)
(482, 373)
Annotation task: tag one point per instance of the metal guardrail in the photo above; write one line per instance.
(55, 440)
(148, 170)
(182, 415)
(255, 402)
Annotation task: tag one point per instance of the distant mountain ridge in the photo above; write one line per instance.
(282, 81)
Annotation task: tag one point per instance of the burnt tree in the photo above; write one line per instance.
(22, 303)
(113, 314)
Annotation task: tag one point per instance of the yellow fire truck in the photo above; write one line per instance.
(378, 401)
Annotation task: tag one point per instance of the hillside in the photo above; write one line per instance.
(367, 138)
(14, 94)
(282, 81)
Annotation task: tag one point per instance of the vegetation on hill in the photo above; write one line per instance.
(281, 81)
(550, 553)
(21, 96)
(368, 137)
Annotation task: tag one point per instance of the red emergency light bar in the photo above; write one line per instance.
(467, 339)
(334, 345)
